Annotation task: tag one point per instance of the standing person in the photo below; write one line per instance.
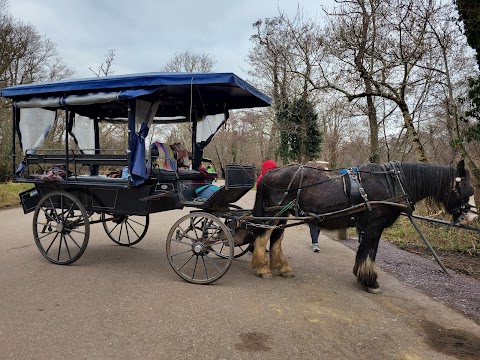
(266, 166)
(314, 226)
(314, 234)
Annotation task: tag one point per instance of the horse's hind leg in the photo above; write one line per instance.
(365, 268)
(259, 259)
(277, 259)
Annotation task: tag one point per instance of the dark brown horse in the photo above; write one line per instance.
(388, 189)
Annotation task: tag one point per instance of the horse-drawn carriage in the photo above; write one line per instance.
(83, 179)
(75, 183)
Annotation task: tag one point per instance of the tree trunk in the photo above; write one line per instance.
(373, 123)
(412, 133)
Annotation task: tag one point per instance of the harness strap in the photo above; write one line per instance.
(396, 174)
(287, 190)
(353, 187)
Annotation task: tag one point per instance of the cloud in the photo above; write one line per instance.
(145, 34)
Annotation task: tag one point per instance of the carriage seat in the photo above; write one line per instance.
(97, 179)
(181, 174)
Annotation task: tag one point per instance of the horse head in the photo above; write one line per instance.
(461, 203)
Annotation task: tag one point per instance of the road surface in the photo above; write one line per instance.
(127, 303)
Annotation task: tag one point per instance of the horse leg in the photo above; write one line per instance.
(277, 259)
(259, 259)
(365, 268)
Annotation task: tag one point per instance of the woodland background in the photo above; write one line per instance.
(372, 81)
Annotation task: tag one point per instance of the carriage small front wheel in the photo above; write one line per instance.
(61, 228)
(125, 230)
(200, 248)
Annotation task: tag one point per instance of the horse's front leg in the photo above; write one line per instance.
(259, 259)
(365, 268)
(277, 259)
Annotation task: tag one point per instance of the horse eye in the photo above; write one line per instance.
(458, 179)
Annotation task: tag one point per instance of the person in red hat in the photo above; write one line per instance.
(266, 166)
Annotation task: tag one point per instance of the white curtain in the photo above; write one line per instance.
(35, 124)
(208, 125)
(84, 131)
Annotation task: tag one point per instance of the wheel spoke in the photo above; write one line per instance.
(49, 216)
(213, 262)
(195, 268)
(49, 246)
(131, 227)
(77, 231)
(60, 247)
(185, 234)
(53, 210)
(136, 222)
(126, 230)
(113, 229)
(128, 233)
(203, 258)
(49, 233)
(183, 252)
(74, 241)
(69, 211)
(205, 267)
(66, 246)
(67, 215)
(185, 263)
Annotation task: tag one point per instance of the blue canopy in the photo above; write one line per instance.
(171, 96)
(207, 93)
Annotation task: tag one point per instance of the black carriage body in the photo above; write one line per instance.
(124, 186)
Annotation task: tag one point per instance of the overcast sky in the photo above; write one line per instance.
(146, 34)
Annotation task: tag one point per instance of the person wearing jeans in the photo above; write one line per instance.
(314, 234)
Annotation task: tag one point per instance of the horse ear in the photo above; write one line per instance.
(461, 168)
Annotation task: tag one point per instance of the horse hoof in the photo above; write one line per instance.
(287, 274)
(265, 276)
(373, 290)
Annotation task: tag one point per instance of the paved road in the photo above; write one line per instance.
(127, 303)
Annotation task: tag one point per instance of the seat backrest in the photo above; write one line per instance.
(162, 157)
(181, 154)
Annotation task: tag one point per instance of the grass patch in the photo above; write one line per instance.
(441, 237)
(9, 193)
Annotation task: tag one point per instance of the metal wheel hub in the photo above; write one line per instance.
(198, 248)
(60, 227)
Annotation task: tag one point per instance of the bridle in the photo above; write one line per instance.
(460, 212)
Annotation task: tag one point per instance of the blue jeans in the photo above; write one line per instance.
(314, 232)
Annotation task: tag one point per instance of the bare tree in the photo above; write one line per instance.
(25, 57)
(283, 56)
(105, 67)
(190, 62)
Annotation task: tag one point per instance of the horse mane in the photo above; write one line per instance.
(427, 180)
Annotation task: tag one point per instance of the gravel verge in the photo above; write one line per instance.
(458, 291)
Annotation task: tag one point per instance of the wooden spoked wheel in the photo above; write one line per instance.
(61, 227)
(200, 248)
(125, 230)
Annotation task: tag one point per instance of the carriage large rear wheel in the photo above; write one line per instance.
(126, 230)
(200, 248)
(61, 227)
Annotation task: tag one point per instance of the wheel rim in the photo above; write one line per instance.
(61, 227)
(126, 230)
(200, 248)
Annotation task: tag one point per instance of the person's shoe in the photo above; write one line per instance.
(315, 248)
